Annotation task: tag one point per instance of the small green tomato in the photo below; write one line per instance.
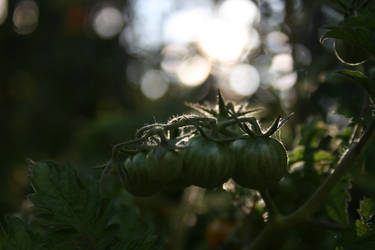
(207, 164)
(261, 162)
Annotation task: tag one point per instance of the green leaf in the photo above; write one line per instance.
(15, 235)
(357, 29)
(297, 155)
(70, 206)
(77, 215)
(361, 234)
(365, 18)
(147, 243)
(337, 205)
(322, 155)
(359, 77)
(336, 89)
(366, 209)
(311, 134)
(349, 240)
(360, 37)
(361, 228)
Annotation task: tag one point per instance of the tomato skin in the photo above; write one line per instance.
(165, 165)
(207, 164)
(147, 173)
(349, 53)
(261, 162)
(138, 180)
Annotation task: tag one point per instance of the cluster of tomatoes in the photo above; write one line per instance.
(203, 150)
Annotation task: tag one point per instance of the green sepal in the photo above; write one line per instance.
(222, 108)
(273, 128)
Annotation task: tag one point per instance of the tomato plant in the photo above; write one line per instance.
(308, 186)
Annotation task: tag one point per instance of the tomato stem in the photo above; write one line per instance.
(175, 123)
(140, 132)
(270, 204)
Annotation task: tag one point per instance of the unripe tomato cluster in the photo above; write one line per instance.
(203, 150)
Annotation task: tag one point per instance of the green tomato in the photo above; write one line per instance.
(147, 173)
(165, 165)
(261, 162)
(138, 179)
(350, 53)
(207, 164)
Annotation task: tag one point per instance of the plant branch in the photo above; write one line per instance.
(284, 224)
(270, 204)
(325, 224)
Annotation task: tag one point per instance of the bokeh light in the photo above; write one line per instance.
(184, 26)
(108, 22)
(146, 30)
(277, 42)
(282, 63)
(276, 5)
(223, 41)
(194, 71)
(253, 39)
(285, 82)
(244, 79)
(242, 12)
(224, 34)
(3, 10)
(154, 84)
(302, 54)
(198, 40)
(25, 17)
(173, 56)
(262, 64)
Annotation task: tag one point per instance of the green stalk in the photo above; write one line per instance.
(270, 204)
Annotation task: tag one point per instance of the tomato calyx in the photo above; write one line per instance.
(255, 131)
(221, 119)
(221, 110)
(222, 113)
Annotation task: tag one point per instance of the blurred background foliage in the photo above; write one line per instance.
(78, 76)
